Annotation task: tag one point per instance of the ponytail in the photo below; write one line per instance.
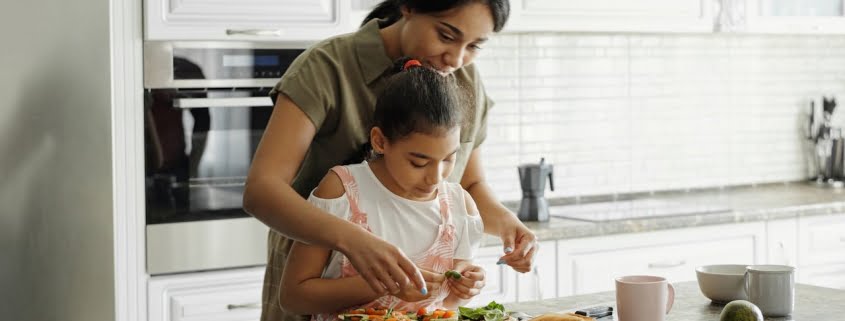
(387, 9)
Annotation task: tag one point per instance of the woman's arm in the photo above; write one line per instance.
(518, 240)
(270, 198)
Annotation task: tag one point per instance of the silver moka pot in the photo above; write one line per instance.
(532, 179)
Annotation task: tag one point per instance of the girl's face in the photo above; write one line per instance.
(446, 40)
(416, 164)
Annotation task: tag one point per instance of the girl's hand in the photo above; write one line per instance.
(470, 283)
(385, 268)
(520, 245)
(433, 282)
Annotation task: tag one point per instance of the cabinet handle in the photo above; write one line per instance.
(249, 306)
(666, 265)
(255, 32)
(842, 239)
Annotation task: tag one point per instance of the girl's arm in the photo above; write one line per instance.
(305, 264)
(270, 198)
(304, 292)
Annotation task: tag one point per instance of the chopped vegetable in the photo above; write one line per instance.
(491, 312)
(453, 274)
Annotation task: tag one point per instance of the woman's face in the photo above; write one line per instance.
(417, 163)
(446, 40)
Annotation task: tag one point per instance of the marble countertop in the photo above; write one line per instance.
(811, 303)
(745, 204)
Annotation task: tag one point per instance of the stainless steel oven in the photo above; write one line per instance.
(206, 106)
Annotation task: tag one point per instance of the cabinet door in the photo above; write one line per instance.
(541, 282)
(796, 16)
(296, 20)
(591, 265)
(829, 276)
(611, 15)
(500, 284)
(821, 240)
(207, 296)
(782, 242)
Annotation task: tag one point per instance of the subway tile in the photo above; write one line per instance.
(618, 113)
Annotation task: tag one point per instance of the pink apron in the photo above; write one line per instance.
(437, 258)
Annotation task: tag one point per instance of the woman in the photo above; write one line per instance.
(324, 107)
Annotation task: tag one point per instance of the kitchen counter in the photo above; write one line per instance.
(811, 303)
(744, 204)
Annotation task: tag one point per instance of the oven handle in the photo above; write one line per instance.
(255, 32)
(223, 102)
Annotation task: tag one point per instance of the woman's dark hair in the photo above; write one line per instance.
(415, 100)
(389, 9)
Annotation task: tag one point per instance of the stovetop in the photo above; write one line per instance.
(632, 209)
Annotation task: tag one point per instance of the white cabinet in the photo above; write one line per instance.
(821, 244)
(207, 296)
(500, 280)
(541, 282)
(254, 20)
(829, 276)
(592, 264)
(795, 16)
(821, 239)
(782, 242)
(611, 15)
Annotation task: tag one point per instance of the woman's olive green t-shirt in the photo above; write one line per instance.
(336, 83)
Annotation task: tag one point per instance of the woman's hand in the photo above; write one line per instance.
(470, 283)
(385, 268)
(433, 282)
(520, 245)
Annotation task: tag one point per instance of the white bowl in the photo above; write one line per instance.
(722, 283)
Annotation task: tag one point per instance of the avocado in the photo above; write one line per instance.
(741, 310)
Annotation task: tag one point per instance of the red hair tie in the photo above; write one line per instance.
(411, 63)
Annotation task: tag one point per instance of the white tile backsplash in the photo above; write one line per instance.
(621, 113)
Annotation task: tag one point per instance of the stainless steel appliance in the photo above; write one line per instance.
(206, 107)
(532, 179)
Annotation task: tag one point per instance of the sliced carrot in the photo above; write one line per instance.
(422, 312)
(449, 314)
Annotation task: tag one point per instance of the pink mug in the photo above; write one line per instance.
(643, 298)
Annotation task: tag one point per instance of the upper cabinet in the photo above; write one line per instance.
(611, 15)
(253, 20)
(795, 16)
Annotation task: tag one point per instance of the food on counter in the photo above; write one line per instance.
(453, 274)
(384, 314)
(561, 317)
(491, 312)
(741, 310)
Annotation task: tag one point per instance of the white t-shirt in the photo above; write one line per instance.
(410, 225)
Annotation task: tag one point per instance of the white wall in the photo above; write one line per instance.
(56, 239)
(618, 113)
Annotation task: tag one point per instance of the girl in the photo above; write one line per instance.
(401, 196)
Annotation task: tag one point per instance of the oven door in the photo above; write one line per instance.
(199, 146)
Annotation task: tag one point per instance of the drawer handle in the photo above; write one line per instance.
(842, 239)
(255, 32)
(666, 265)
(249, 306)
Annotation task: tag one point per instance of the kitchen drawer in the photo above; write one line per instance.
(591, 265)
(207, 296)
(821, 240)
(500, 280)
(829, 276)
